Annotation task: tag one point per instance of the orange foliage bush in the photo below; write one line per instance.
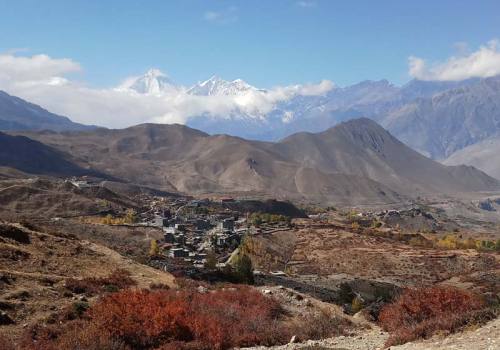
(420, 313)
(235, 317)
(143, 319)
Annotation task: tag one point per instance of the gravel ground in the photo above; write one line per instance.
(484, 338)
(371, 340)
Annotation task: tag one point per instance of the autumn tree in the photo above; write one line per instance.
(130, 216)
(154, 249)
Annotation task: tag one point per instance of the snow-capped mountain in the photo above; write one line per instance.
(153, 82)
(216, 86)
(435, 118)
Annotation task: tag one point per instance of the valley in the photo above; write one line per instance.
(305, 217)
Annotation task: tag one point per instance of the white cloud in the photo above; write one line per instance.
(224, 16)
(483, 63)
(306, 3)
(34, 68)
(44, 80)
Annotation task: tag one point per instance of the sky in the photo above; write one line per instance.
(266, 43)
(69, 56)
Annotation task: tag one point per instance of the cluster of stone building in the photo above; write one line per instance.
(191, 236)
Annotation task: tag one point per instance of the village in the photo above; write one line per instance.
(201, 232)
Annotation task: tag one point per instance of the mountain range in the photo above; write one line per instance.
(435, 118)
(438, 119)
(355, 162)
(411, 112)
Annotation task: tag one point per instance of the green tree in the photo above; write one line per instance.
(211, 261)
(243, 269)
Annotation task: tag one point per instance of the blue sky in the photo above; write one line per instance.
(267, 43)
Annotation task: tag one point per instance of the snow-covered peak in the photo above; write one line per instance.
(216, 86)
(153, 82)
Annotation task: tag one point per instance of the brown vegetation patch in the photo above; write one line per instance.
(117, 280)
(11, 232)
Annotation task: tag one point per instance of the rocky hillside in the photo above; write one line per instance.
(449, 121)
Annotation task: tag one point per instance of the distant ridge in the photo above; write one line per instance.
(33, 157)
(484, 155)
(18, 114)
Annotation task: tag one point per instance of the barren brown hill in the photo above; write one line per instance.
(45, 197)
(30, 156)
(36, 269)
(355, 162)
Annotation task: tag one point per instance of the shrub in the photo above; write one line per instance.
(14, 233)
(420, 313)
(6, 344)
(76, 335)
(320, 325)
(234, 318)
(142, 319)
(72, 312)
(169, 319)
(153, 285)
(117, 280)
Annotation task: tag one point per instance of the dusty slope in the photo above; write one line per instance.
(355, 162)
(484, 155)
(362, 147)
(27, 155)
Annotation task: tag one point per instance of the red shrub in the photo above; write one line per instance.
(235, 317)
(143, 318)
(169, 319)
(420, 313)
